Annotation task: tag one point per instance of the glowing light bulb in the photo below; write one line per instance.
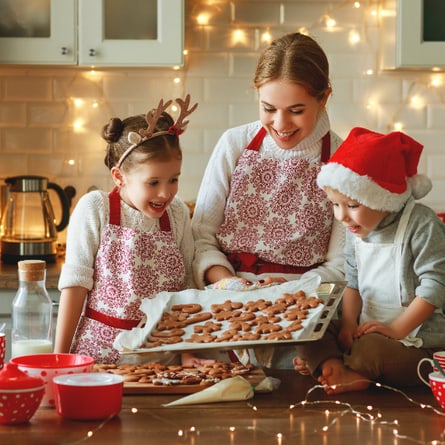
(239, 37)
(330, 23)
(78, 102)
(398, 126)
(354, 37)
(266, 37)
(203, 18)
(357, 5)
(436, 82)
(78, 125)
(177, 80)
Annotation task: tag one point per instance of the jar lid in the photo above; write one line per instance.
(12, 378)
(31, 270)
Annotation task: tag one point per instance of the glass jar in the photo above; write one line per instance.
(31, 311)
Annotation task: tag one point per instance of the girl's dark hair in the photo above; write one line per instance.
(297, 58)
(161, 148)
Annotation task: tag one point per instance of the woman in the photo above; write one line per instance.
(259, 216)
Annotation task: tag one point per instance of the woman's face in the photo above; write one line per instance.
(151, 186)
(288, 112)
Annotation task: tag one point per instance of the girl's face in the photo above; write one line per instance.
(357, 218)
(151, 186)
(288, 112)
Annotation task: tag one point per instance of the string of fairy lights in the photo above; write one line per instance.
(331, 412)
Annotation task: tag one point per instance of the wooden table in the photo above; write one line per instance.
(265, 419)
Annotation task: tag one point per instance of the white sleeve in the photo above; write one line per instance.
(83, 238)
(211, 201)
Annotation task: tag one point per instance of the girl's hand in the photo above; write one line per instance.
(271, 280)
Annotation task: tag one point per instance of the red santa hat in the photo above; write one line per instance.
(376, 170)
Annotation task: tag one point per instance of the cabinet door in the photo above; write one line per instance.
(131, 32)
(38, 32)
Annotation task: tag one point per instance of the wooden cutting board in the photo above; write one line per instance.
(255, 376)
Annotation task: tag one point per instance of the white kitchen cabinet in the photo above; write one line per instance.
(92, 32)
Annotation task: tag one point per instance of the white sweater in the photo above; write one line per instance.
(88, 221)
(215, 188)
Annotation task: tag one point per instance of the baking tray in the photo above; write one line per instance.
(314, 326)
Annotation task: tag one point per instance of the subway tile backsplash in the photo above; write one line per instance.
(38, 108)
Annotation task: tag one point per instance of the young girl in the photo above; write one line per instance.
(259, 216)
(131, 243)
(393, 307)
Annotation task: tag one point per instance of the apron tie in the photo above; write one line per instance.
(114, 322)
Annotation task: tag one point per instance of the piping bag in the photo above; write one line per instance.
(227, 390)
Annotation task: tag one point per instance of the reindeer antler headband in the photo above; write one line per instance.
(152, 118)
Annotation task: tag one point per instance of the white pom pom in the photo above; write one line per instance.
(420, 185)
(134, 138)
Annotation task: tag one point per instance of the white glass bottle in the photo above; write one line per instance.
(31, 311)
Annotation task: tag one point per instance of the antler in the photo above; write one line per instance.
(180, 124)
(152, 118)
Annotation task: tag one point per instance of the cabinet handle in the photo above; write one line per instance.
(92, 52)
(64, 51)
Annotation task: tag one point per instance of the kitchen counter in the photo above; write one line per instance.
(9, 274)
(265, 419)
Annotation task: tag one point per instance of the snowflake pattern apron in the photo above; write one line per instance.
(378, 267)
(130, 265)
(276, 218)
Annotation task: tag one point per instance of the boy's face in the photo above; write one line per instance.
(357, 218)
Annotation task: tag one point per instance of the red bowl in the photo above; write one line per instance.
(20, 395)
(91, 396)
(47, 366)
(19, 405)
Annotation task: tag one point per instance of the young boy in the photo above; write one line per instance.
(392, 309)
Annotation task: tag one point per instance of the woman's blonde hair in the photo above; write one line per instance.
(297, 58)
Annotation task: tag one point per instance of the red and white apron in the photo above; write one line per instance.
(276, 219)
(130, 265)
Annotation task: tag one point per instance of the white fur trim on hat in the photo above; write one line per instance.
(361, 188)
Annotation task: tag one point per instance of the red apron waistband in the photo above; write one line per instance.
(248, 262)
(114, 322)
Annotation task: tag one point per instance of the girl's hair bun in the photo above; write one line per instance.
(113, 130)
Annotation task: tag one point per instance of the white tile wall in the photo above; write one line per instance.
(36, 110)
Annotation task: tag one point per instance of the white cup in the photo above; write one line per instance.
(438, 357)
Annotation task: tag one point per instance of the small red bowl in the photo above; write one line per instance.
(91, 396)
(20, 395)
